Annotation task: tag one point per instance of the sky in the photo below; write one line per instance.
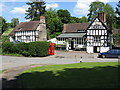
(16, 8)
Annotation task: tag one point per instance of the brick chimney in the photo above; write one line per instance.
(42, 29)
(42, 19)
(102, 17)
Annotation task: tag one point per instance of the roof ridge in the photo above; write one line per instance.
(76, 23)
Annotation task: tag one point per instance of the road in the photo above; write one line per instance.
(61, 57)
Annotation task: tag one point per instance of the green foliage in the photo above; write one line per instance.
(97, 7)
(38, 48)
(5, 38)
(14, 22)
(110, 16)
(3, 24)
(35, 10)
(83, 19)
(7, 32)
(118, 15)
(64, 15)
(74, 20)
(7, 47)
(53, 22)
(116, 40)
(55, 34)
(34, 49)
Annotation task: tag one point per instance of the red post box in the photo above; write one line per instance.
(51, 49)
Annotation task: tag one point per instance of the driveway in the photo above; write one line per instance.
(60, 57)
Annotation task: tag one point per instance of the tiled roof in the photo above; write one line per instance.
(25, 26)
(75, 27)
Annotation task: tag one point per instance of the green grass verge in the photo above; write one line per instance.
(11, 54)
(2, 71)
(80, 75)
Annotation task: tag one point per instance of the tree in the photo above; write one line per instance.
(83, 19)
(118, 15)
(3, 24)
(74, 20)
(110, 16)
(95, 8)
(54, 24)
(64, 15)
(14, 22)
(35, 10)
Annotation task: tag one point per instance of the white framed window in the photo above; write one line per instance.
(28, 38)
(18, 37)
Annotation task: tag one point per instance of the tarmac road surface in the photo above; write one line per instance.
(60, 57)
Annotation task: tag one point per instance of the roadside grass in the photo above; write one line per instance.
(2, 71)
(79, 75)
(11, 54)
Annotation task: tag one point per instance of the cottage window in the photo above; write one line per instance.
(28, 38)
(18, 37)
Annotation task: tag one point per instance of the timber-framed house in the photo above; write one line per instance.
(94, 36)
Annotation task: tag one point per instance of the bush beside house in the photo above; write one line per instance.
(34, 49)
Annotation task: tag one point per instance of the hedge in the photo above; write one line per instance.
(39, 48)
(34, 49)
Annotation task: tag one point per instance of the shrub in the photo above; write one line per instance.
(39, 48)
(7, 47)
(22, 47)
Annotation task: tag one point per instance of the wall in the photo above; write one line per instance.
(22, 35)
(11, 39)
(89, 49)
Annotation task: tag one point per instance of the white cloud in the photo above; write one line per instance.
(82, 6)
(52, 5)
(1, 6)
(19, 10)
(14, 0)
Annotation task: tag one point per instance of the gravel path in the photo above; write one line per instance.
(9, 76)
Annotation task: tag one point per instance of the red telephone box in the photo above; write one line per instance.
(51, 49)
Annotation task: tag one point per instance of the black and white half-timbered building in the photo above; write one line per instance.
(94, 36)
(30, 31)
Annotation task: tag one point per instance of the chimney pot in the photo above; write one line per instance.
(42, 19)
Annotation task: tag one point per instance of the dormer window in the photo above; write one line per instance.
(19, 28)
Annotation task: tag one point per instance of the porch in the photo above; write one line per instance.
(72, 41)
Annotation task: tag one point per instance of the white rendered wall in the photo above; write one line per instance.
(11, 39)
(67, 46)
(104, 49)
(23, 35)
(89, 49)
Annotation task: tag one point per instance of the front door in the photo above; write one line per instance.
(96, 49)
(72, 45)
